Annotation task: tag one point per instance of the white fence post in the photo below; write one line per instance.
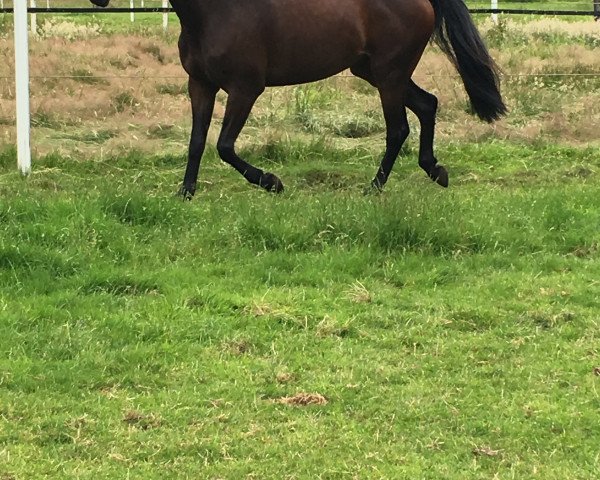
(22, 86)
(131, 15)
(165, 4)
(495, 7)
(33, 17)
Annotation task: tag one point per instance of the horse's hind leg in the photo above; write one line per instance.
(393, 100)
(394, 111)
(239, 105)
(424, 105)
(202, 96)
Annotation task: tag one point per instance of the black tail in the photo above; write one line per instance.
(457, 36)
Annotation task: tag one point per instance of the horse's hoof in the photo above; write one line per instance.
(271, 183)
(374, 188)
(186, 193)
(440, 176)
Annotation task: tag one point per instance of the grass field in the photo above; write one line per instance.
(421, 333)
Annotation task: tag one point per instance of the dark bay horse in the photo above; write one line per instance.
(243, 46)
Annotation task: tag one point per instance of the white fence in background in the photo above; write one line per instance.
(21, 34)
(33, 4)
(22, 87)
(33, 22)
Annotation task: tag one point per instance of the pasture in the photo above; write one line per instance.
(321, 333)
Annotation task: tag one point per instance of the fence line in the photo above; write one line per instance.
(518, 11)
(494, 11)
(34, 10)
(165, 9)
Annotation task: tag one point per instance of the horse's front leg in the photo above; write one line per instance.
(202, 95)
(239, 105)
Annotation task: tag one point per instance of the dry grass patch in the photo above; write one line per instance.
(546, 25)
(303, 400)
(132, 83)
(358, 293)
(238, 347)
(285, 377)
(141, 420)
(261, 309)
(485, 451)
(280, 314)
(331, 327)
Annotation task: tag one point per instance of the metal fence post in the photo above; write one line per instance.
(495, 7)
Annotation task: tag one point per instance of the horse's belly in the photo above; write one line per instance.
(313, 39)
(301, 71)
(306, 60)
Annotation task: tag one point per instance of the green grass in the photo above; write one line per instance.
(453, 333)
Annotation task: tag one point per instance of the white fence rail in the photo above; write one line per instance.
(33, 18)
(22, 87)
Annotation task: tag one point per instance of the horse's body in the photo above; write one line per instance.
(243, 46)
(284, 42)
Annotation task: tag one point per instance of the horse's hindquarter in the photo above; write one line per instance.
(313, 39)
